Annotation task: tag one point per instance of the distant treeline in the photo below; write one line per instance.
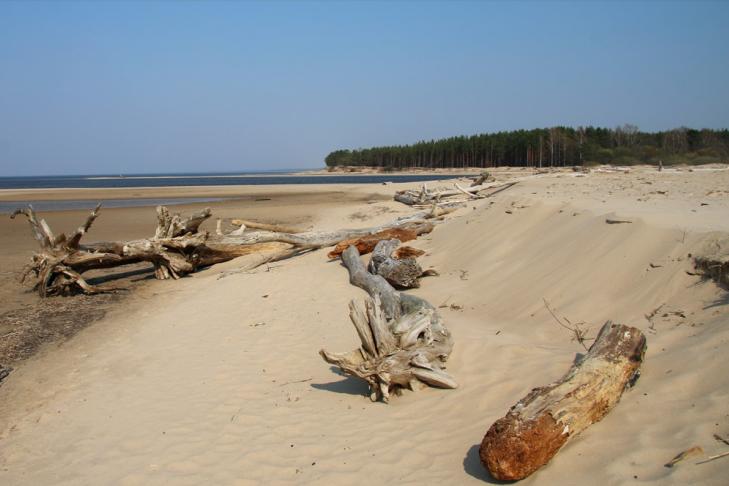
(546, 147)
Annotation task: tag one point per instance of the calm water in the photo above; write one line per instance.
(154, 180)
(7, 207)
(157, 180)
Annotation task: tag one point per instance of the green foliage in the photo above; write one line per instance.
(548, 147)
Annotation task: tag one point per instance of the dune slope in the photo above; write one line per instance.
(218, 380)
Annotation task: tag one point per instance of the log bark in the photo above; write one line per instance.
(366, 244)
(403, 340)
(264, 226)
(408, 252)
(400, 273)
(534, 429)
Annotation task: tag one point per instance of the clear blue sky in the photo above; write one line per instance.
(101, 87)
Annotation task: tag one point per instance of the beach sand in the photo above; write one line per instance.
(216, 378)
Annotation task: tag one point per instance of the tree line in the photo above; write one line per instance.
(548, 147)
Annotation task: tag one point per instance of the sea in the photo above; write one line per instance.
(171, 180)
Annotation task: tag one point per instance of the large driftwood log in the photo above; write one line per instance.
(404, 342)
(400, 273)
(177, 248)
(425, 196)
(536, 427)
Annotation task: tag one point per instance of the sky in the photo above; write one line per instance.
(157, 87)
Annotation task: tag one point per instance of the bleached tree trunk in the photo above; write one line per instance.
(404, 342)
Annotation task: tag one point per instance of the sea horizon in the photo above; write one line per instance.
(289, 176)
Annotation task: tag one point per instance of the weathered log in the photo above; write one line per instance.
(264, 226)
(404, 342)
(365, 244)
(400, 273)
(177, 249)
(424, 196)
(321, 239)
(536, 427)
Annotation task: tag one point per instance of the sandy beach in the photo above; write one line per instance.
(215, 378)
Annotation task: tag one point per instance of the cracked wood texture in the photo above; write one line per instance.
(401, 273)
(404, 343)
(534, 429)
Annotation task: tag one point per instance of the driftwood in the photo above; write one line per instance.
(536, 427)
(402, 273)
(366, 244)
(404, 342)
(425, 196)
(243, 223)
(61, 260)
(177, 248)
(482, 179)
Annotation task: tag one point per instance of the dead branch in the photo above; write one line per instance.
(579, 334)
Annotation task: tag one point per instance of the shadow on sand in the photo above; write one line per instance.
(472, 465)
(349, 385)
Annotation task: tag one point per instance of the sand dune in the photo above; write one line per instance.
(217, 380)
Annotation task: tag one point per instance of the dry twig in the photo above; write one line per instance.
(711, 458)
(691, 452)
(579, 333)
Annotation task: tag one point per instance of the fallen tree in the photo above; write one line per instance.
(177, 248)
(534, 429)
(404, 341)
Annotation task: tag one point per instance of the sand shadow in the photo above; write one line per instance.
(349, 385)
(146, 273)
(718, 302)
(473, 467)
